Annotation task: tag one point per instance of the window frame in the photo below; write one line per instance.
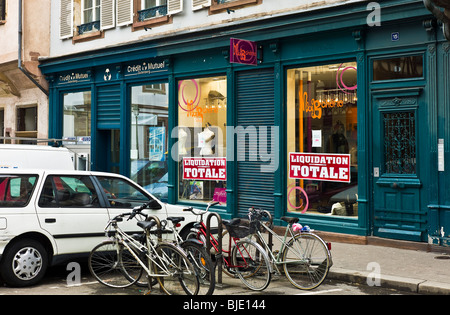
(3, 12)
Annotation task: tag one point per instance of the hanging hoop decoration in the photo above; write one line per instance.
(340, 81)
(304, 201)
(188, 89)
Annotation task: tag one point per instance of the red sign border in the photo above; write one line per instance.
(205, 158)
(320, 179)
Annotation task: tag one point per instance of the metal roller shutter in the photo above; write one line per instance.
(255, 109)
(108, 107)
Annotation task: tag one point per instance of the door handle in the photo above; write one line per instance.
(397, 186)
(50, 220)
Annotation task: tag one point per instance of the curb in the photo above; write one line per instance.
(419, 286)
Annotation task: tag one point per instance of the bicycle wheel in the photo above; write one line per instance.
(251, 264)
(176, 275)
(306, 261)
(203, 265)
(113, 265)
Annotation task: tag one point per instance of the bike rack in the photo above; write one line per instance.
(159, 233)
(219, 240)
(158, 225)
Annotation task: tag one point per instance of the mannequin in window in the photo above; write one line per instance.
(182, 137)
(205, 140)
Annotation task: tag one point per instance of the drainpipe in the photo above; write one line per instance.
(440, 16)
(19, 58)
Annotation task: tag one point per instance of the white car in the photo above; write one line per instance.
(48, 217)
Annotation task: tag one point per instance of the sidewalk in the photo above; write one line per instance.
(412, 270)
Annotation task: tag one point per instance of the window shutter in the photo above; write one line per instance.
(174, 6)
(107, 16)
(124, 12)
(200, 4)
(66, 19)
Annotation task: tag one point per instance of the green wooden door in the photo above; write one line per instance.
(399, 165)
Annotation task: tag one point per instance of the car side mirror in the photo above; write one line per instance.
(154, 205)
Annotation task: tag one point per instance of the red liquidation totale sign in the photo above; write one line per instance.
(320, 166)
(204, 168)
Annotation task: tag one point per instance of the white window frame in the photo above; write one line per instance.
(93, 9)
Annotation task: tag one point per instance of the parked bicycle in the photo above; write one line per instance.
(304, 256)
(196, 253)
(120, 261)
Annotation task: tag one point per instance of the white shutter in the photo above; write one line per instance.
(200, 4)
(66, 19)
(124, 12)
(107, 14)
(174, 6)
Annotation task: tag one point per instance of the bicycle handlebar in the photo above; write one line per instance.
(199, 211)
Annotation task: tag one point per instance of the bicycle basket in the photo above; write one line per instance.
(237, 231)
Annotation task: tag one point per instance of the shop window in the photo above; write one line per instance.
(408, 67)
(77, 117)
(26, 123)
(202, 116)
(322, 139)
(149, 138)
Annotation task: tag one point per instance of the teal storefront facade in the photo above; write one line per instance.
(327, 88)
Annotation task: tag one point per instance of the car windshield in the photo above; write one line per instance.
(16, 190)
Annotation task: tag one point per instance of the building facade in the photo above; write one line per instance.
(24, 37)
(330, 111)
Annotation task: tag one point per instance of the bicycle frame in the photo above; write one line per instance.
(134, 246)
(284, 243)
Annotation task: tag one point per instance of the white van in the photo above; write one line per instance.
(21, 156)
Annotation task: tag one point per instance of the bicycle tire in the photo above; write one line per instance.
(176, 274)
(112, 265)
(251, 264)
(203, 265)
(306, 261)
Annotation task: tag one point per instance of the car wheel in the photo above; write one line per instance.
(24, 263)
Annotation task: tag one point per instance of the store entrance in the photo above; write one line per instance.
(108, 151)
(399, 124)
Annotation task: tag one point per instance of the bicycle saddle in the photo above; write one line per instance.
(234, 221)
(146, 225)
(290, 219)
(175, 220)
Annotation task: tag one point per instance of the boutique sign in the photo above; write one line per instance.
(318, 166)
(243, 52)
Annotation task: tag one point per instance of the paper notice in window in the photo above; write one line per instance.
(317, 138)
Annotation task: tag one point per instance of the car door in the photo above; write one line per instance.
(122, 195)
(69, 208)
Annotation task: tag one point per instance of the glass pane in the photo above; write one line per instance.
(322, 139)
(77, 117)
(68, 192)
(202, 117)
(122, 194)
(16, 190)
(400, 143)
(149, 138)
(398, 68)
